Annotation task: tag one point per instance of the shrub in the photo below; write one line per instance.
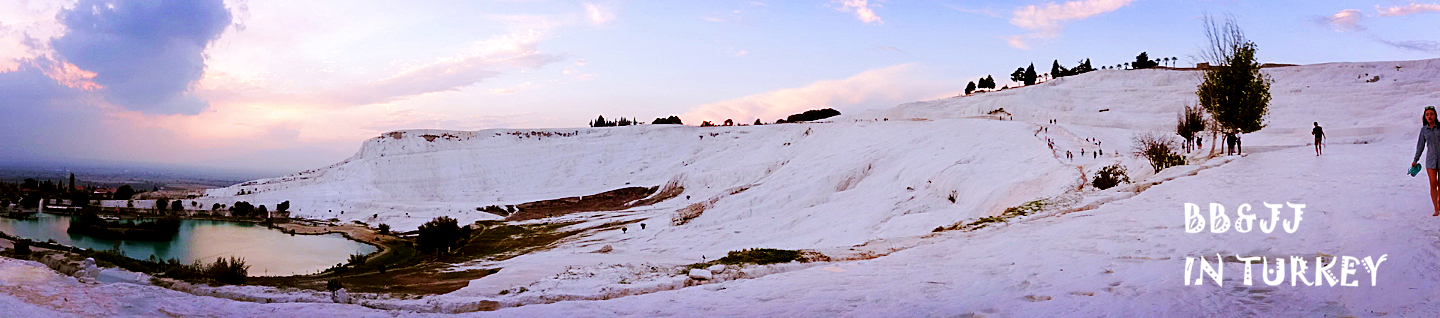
(1159, 149)
(384, 228)
(760, 256)
(810, 115)
(439, 235)
(494, 209)
(356, 259)
(228, 271)
(1110, 176)
(672, 120)
(333, 285)
(124, 192)
(1190, 122)
(22, 246)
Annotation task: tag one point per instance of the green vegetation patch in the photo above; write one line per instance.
(762, 256)
(1012, 212)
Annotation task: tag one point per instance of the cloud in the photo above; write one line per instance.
(1349, 20)
(452, 73)
(416, 119)
(1344, 21)
(147, 55)
(986, 12)
(1410, 9)
(889, 48)
(1416, 45)
(861, 9)
(880, 87)
(1047, 20)
(1017, 41)
(597, 15)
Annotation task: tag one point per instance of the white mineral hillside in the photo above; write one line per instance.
(868, 188)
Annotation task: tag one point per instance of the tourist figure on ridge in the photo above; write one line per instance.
(1430, 143)
(1319, 137)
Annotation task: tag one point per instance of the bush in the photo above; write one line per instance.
(356, 259)
(494, 209)
(1159, 149)
(333, 285)
(1190, 122)
(228, 271)
(124, 192)
(672, 120)
(384, 228)
(22, 246)
(1110, 176)
(810, 115)
(760, 256)
(439, 235)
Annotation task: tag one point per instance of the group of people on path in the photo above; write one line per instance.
(1069, 155)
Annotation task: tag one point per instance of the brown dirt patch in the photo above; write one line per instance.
(618, 199)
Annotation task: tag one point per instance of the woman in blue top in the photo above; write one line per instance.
(1430, 139)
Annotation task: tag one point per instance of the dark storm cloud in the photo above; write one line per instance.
(41, 116)
(148, 54)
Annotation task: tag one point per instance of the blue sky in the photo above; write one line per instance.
(292, 85)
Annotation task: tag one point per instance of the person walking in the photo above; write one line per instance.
(1430, 144)
(1319, 137)
(1229, 143)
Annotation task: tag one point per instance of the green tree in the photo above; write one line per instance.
(1057, 71)
(1082, 68)
(968, 89)
(1018, 75)
(177, 206)
(1236, 93)
(1190, 121)
(124, 192)
(282, 207)
(160, 204)
(1030, 75)
(438, 235)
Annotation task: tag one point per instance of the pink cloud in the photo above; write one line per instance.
(880, 87)
(1413, 8)
(861, 9)
(1047, 20)
(1345, 20)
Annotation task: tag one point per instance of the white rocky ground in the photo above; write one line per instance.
(881, 180)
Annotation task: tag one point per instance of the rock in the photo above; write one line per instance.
(703, 274)
(716, 268)
(605, 249)
(340, 296)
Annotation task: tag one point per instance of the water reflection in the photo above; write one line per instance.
(267, 251)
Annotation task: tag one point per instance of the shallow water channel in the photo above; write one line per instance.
(269, 252)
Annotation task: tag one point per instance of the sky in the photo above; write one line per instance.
(285, 86)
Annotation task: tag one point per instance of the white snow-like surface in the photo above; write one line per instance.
(867, 189)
